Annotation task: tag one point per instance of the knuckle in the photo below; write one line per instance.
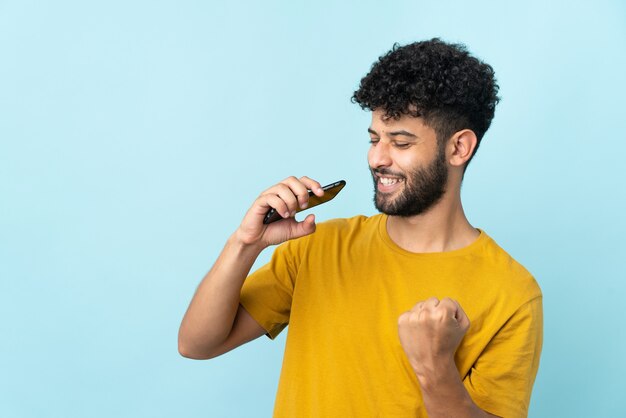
(406, 319)
(277, 189)
(276, 203)
(432, 300)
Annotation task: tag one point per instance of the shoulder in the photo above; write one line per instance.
(356, 228)
(345, 225)
(333, 230)
(507, 273)
(336, 235)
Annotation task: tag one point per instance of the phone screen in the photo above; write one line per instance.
(330, 191)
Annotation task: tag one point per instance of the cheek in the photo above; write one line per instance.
(412, 161)
(407, 163)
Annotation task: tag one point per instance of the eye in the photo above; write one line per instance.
(401, 145)
(374, 141)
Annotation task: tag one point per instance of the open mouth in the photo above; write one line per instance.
(386, 184)
(389, 181)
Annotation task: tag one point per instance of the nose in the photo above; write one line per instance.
(379, 156)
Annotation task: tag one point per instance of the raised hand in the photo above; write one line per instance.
(431, 332)
(286, 197)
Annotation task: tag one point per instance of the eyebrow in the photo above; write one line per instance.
(401, 132)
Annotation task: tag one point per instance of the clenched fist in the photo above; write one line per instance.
(431, 332)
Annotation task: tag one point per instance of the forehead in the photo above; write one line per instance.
(415, 125)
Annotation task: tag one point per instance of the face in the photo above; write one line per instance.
(407, 164)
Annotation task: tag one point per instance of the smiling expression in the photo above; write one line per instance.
(408, 165)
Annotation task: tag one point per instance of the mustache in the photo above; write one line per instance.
(386, 171)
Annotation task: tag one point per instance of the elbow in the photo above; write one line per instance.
(192, 351)
(184, 351)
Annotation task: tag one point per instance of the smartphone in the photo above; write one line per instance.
(330, 191)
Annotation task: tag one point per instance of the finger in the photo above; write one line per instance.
(462, 317)
(404, 318)
(455, 312)
(276, 202)
(312, 185)
(431, 303)
(448, 303)
(299, 189)
(449, 308)
(418, 307)
(306, 227)
(284, 192)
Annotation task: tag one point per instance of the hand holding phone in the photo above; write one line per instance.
(330, 191)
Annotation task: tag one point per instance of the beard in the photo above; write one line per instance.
(423, 188)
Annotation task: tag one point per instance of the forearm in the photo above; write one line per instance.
(211, 313)
(444, 394)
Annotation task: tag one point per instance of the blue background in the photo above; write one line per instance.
(134, 135)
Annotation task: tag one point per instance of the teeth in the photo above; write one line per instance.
(388, 182)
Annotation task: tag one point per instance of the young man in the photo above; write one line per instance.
(410, 313)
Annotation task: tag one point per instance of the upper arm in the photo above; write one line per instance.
(502, 377)
(245, 329)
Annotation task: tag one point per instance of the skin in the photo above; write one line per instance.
(430, 333)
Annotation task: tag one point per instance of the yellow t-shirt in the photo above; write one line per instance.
(342, 289)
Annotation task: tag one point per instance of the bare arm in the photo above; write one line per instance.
(213, 312)
(445, 396)
(430, 334)
(215, 322)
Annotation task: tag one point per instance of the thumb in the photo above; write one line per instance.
(306, 227)
(462, 318)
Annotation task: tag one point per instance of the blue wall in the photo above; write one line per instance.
(134, 135)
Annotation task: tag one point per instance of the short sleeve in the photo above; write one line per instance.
(267, 293)
(501, 380)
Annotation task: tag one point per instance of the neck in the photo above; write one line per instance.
(443, 227)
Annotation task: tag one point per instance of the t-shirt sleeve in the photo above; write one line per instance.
(267, 293)
(501, 380)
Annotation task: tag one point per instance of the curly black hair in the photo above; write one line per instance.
(438, 81)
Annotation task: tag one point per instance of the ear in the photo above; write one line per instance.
(462, 146)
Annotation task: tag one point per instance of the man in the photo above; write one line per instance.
(410, 313)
